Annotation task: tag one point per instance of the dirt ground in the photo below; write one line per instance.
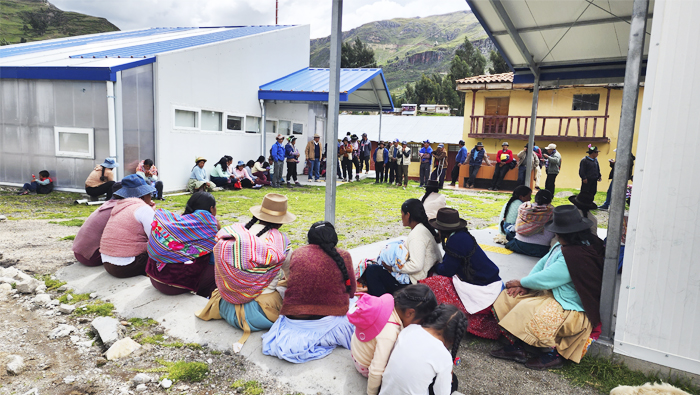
(67, 366)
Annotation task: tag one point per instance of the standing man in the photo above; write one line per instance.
(553, 166)
(381, 157)
(345, 152)
(387, 165)
(277, 153)
(393, 161)
(538, 170)
(426, 156)
(460, 159)
(589, 171)
(291, 153)
(522, 166)
(606, 205)
(365, 153)
(403, 159)
(475, 158)
(439, 165)
(313, 156)
(355, 160)
(504, 157)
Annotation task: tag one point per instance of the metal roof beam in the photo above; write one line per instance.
(513, 32)
(568, 24)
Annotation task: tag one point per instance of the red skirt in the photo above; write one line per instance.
(482, 323)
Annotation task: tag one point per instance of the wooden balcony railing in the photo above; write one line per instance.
(584, 128)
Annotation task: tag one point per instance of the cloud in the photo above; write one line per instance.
(138, 14)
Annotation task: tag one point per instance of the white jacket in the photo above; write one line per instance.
(423, 253)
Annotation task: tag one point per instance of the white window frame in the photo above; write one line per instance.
(222, 129)
(277, 125)
(190, 109)
(303, 129)
(232, 114)
(245, 125)
(71, 154)
(291, 127)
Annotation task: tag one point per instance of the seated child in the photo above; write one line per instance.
(378, 321)
(42, 186)
(420, 360)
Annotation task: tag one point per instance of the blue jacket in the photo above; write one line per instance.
(429, 151)
(365, 148)
(485, 271)
(288, 151)
(386, 155)
(477, 157)
(461, 155)
(277, 152)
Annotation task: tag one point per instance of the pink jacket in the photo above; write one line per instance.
(124, 235)
(87, 241)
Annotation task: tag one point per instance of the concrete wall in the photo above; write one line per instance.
(557, 102)
(222, 77)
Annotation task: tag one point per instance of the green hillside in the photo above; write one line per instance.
(408, 47)
(16, 17)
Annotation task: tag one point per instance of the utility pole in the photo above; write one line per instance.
(277, 8)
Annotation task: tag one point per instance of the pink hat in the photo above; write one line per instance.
(370, 315)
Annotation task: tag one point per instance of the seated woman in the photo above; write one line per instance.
(466, 277)
(42, 186)
(240, 175)
(86, 246)
(423, 253)
(180, 248)
(101, 179)
(432, 200)
(531, 238)
(260, 170)
(556, 307)
(198, 178)
(584, 203)
(124, 243)
(509, 213)
(249, 169)
(248, 259)
(147, 170)
(313, 318)
(220, 175)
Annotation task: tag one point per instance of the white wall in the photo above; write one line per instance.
(658, 318)
(222, 77)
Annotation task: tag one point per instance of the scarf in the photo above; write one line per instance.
(585, 264)
(395, 254)
(153, 170)
(181, 238)
(246, 264)
(532, 217)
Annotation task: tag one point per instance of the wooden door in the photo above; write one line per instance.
(496, 106)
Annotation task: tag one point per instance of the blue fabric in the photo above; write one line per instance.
(299, 341)
(288, 151)
(530, 249)
(254, 315)
(485, 271)
(31, 187)
(386, 155)
(424, 150)
(277, 152)
(395, 254)
(552, 273)
(315, 170)
(477, 157)
(199, 174)
(461, 155)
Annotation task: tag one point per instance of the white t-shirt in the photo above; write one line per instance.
(418, 358)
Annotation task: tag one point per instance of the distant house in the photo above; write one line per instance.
(409, 109)
(434, 109)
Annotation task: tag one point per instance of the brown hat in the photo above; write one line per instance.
(447, 219)
(567, 219)
(584, 201)
(273, 210)
(317, 135)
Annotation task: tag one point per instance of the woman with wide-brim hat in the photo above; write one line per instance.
(584, 203)
(198, 177)
(250, 260)
(466, 277)
(556, 307)
(101, 179)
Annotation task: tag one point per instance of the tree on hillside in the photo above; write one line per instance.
(473, 57)
(499, 64)
(41, 19)
(356, 55)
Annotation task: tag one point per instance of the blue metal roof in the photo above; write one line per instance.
(312, 85)
(152, 49)
(23, 49)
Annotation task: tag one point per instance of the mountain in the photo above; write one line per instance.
(408, 47)
(35, 20)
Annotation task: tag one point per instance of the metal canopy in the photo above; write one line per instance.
(570, 42)
(360, 89)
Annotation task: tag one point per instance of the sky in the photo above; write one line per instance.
(137, 14)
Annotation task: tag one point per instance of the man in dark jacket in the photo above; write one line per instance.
(589, 171)
(606, 205)
(474, 159)
(380, 157)
(365, 153)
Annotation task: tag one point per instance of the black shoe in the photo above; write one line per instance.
(510, 352)
(160, 198)
(357, 178)
(549, 360)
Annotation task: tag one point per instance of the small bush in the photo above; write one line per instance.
(70, 222)
(50, 283)
(194, 346)
(71, 237)
(139, 322)
(76, 297)
(249, 387)
(192, 372)
(98, 308)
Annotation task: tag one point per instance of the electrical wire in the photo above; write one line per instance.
(538, 26)
(565, 33)
(609, 12)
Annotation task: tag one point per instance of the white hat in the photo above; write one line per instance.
(551, 146)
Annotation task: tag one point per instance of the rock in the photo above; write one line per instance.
(100, 362)
(85, 344)
(27, 286)
(62, 330)
(563, 194)
(107, 329)
(69, 297)
(66, 308)
(15, 365)
(121, 349)
(3, 218)
(166, 383)
(141, 388)
(9, 272)
(124, 323)
(42, 299)
(141, 378)
(62, 288)
(5, 287)
(69, 379)
(54, 302)
(93, 295)
(41, 288)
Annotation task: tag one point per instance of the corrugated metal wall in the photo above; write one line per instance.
(139, 128)
(29, 110)
(659, 312)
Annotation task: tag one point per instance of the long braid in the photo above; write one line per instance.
(427, 193)
(465, 260)
(102, 177)
(265, 229)
(251, 223)
(323, 234)
(333, 253)
(459, 334)
(432, 230)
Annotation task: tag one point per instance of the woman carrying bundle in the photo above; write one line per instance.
(509, 213)
(531, 238)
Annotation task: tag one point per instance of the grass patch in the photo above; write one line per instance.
(249, 387)
(159, 340)
(192, 372)
(13, 285)
(604, 375)
(194, 346)
(50, 283)
(71, 237)
(76, 297)
(140, 322)
(98, 308)
(70, 222)
(215, 352)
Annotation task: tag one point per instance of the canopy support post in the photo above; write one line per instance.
(379, 103)
(263, 133)
(333, 110)
(531, 139)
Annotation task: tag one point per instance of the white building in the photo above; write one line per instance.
(409, 109)
(169, 94)
(434, 109)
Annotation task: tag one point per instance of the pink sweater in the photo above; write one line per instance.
(124, 235)
(87, 241)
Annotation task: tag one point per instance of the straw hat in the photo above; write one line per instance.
(200, 158)
(273, 210)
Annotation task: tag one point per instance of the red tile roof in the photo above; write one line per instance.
(484, 79)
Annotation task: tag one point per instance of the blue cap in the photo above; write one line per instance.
(441, 145)
(133, 186)
(396, 141)
(110, 163)
(426, 142)
(241, 163)
(403, 143)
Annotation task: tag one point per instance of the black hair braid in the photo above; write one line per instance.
(459, 334)
(199, 201)
(330, 249)
(251, 223)
(465, 260)
(265, 229)
(416, 211)
(427, 193)
(323, 234)
(432, 230)
(102, 177)
(520, 190)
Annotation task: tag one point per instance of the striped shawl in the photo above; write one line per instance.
(181, 238)
(532, 217)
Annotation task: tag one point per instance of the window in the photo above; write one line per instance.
(453, 148)
(285, 128)
(75, 142)
(234, 123)
(414, 151)
(298, 128)
(211, 120)
(586, 102)
(186, 119)
(271, 127)
(252, 124)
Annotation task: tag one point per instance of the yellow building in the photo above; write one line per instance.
(572, 117)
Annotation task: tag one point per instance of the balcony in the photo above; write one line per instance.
(516, 127)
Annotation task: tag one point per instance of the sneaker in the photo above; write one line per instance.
(548, 360)
(510, 352)
(604, 208)
(296, 183)
(452, 184)
(289, 185)
(357, 177)
(161, 198)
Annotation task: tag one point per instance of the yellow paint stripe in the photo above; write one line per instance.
(494, 227)
(497, 250)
